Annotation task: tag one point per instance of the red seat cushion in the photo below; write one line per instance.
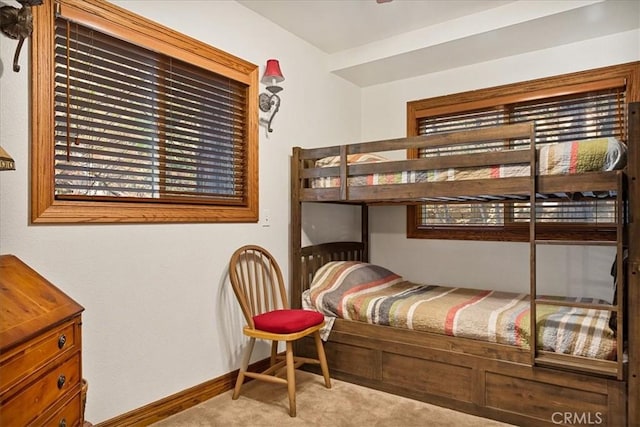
(287, 321)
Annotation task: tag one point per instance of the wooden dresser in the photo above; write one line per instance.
(40, 350)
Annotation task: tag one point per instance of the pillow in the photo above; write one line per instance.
(339, 278)
(585, 155)
(351, 158)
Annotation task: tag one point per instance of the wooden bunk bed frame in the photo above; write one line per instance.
(510, 384)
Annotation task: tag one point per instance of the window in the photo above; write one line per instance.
(582, 105)
(142, 124)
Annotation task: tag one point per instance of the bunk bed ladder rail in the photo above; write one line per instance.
(532, 245)
(621, 292)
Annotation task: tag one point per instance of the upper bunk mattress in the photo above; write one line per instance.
(573, 157)
(368, 293)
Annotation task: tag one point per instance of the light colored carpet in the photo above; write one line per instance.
(263, 405)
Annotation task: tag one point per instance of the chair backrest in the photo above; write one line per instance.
(257, 282)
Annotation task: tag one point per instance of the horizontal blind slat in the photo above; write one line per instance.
(127, 130)
(121, 92)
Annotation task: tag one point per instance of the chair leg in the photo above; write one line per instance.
(323, 359)
(245, 364)
(291, 379)
(274, 352)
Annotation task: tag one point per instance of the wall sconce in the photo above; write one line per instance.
(271, 102)
(6, 162)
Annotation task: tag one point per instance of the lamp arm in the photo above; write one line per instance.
(270, 103)
(16, 55)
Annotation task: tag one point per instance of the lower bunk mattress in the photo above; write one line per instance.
(369, 293)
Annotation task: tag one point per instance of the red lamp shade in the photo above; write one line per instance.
(272, 73)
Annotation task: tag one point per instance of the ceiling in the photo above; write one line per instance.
(371, 43)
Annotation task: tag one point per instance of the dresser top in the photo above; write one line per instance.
(29, 303)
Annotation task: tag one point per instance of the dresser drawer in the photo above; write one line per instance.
(66, 413)
(29, 357)
(32, 401)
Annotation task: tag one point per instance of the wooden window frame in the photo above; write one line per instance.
(118, 22)
(509, 94)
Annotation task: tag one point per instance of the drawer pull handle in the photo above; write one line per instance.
(62, 423)
(62, 341)
(61, 380)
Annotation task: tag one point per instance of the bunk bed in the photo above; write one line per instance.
(519, 384)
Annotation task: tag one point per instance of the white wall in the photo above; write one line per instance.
(494, 265)
(160, 316)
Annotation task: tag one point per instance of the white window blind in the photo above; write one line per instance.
(132, 124)
(573, 117)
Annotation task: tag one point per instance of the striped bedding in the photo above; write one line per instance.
(368, 293)
(589, 155)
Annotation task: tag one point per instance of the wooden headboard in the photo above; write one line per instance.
(314, 257)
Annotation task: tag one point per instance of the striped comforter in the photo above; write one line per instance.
(369, 293)
(588, 155)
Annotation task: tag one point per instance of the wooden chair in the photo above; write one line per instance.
(258, 285)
